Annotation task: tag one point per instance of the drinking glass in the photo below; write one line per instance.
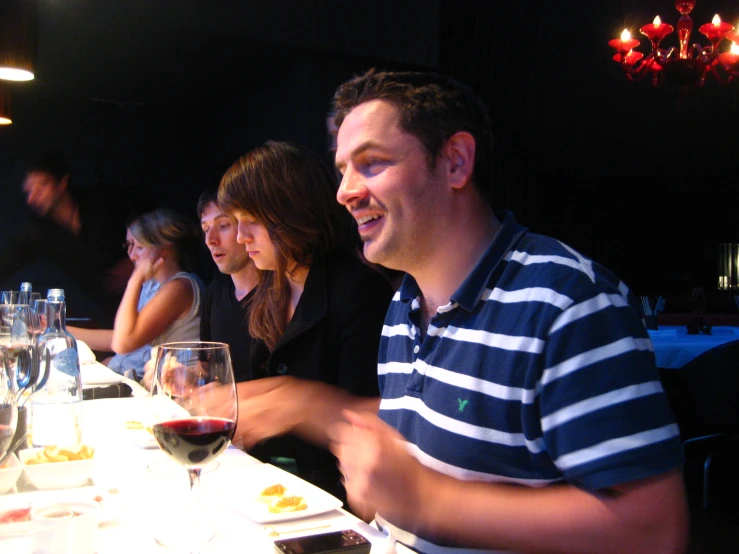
(38, 314)
(17, 336)
(8, 404)
(10, 296)
(193, 418)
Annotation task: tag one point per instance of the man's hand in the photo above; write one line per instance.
(270, 407)
(278, 405)
(379, 472)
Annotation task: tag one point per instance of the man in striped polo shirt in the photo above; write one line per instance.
(521, 408)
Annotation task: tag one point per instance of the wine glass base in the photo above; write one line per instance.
(181, 536)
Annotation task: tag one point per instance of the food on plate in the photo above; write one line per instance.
(137, 425)
(272, 492)
(16, 516)
(55, 454)
(290, 503)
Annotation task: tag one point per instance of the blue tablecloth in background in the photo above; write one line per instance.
(673, 347)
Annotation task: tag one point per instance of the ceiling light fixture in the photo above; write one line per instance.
(685, 65)
(18, 19)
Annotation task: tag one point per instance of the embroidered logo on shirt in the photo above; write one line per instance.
(462, 404)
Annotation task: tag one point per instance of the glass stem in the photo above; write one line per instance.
(196, 521)
(194, 475)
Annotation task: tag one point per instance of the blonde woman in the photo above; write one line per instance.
(162, 246)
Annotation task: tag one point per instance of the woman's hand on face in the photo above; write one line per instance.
(148, 264)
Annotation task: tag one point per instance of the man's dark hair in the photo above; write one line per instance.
(431, 107)
(53, 163)
(208, 197)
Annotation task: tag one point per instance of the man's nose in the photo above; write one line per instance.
(351, 188)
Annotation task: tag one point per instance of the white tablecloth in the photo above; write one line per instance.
(140, 498)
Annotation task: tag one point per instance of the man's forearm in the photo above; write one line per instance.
(327, 410)
(279, 405)
(647, 516)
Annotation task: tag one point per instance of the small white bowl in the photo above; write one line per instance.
(72, 522)
(56, 475)
(9, 473)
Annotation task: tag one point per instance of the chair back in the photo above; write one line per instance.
(704, 394)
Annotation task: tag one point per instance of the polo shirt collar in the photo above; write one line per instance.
(473, 287)
(471, 290)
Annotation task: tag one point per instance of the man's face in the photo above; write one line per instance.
(220, 232)
(43, 191)
(387, 186)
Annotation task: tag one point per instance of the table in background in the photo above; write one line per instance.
(673, 347)
(122, 468)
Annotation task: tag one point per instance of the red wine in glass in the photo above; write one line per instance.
(194, 441)
(194, 408)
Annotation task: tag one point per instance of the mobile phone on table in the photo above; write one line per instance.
(334, 542)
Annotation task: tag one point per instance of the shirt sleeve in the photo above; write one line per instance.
(604, 415)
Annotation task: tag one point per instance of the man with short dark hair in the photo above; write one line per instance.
(521, 409)
(224, 315)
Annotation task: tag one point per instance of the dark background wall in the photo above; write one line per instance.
(156, 99)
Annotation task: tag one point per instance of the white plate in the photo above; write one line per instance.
(245, 497)
(142, 438)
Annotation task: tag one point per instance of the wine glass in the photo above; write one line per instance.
(193, 418)
(17, 336)
(38, 314)
(8, 403)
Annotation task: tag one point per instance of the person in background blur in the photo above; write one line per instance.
(161, 302)
(74, 231)
(316, 312)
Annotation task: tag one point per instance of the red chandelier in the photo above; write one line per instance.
(687, 65)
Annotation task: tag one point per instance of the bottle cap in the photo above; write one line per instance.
(55, 295)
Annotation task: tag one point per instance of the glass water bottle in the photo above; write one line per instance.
(57, 404)
(25, 293)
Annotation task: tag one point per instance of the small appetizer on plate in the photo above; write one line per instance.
(290, 503)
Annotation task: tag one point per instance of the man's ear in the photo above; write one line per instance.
(459, 154)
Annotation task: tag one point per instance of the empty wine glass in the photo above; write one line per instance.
(8, 404)
(17, 336)
(10, 296)
(193, 418)
(38, 314)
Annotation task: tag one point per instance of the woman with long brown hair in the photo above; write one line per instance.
(317, 312)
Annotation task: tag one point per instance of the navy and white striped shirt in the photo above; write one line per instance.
(538, 371)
